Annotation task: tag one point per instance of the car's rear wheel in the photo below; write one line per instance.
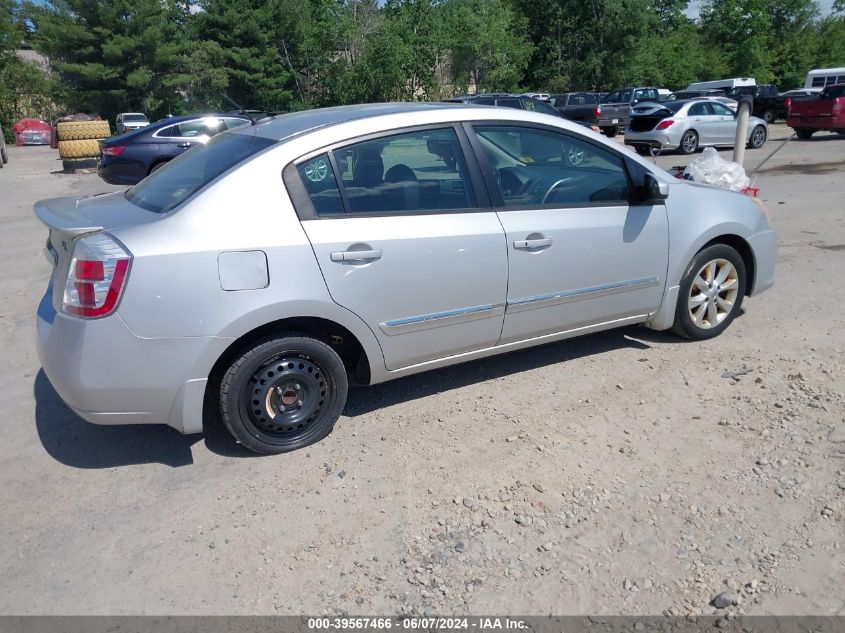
(689, 142)
(711, 293)
(4, 157)
(157, 166)
(768, 116)
(804, 133)
(758, 137)
(611, 131)
(283, 393)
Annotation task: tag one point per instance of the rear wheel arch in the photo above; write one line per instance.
(338, 337)
(156, 164)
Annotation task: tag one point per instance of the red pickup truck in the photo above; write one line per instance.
(818, 114)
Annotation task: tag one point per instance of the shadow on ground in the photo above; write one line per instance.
(368, 399)
(72, 441)
(76, 443)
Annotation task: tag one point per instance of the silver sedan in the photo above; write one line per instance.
(688, 125)
(265, 272)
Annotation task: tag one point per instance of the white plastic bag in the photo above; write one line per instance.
(712, 169)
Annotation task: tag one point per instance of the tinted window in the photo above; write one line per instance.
(818, 82)
(167, 131)
(834, 93)
(699, 109)
(414, 172)
(234, 122)
(613, 97)
(485, 101)
(208, 126)
(179, 179)
(541, 106)
(721, 110)
(536, 167)
(509, 103)
(320, 183)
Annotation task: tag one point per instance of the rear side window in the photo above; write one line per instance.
(699, 109)
(321, 186)
(178, 180)
(509, 103)
(411, 173)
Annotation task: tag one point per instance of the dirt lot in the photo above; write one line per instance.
(617, 473)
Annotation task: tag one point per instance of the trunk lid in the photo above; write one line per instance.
(645, 117)
(71, 217)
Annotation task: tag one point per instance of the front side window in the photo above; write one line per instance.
(411, 173)
(178, 180)
(537, 167)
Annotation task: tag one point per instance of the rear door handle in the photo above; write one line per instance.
(539, 243)
(356, 256)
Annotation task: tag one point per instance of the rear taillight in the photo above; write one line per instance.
(664, 124)
(98, 271)
(788, 103)
(597, 112)
(113, 150)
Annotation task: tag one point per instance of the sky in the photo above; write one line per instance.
(826, 7)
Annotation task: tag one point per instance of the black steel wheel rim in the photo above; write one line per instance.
(286, 394)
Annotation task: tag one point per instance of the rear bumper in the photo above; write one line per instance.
(116, 172)
(108, 375)
(656, 140)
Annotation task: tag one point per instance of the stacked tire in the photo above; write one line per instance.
(79, 142)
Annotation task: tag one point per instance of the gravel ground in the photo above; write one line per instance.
(626, 472)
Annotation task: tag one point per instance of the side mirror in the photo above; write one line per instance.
(652, 191)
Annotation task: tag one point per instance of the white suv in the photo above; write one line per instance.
(128, 121)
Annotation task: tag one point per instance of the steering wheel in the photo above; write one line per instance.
(555, 185)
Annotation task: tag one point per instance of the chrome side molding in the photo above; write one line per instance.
(438, 319)
(566, 296)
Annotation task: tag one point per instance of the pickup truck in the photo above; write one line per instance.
(616, 108)
(768, 105)
(577, 106)
(818, 114)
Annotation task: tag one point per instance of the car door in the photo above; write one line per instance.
(406, 239)
(705, 123)
(580, 253)
(727, 122)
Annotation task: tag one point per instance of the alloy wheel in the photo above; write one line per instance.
(713, 293)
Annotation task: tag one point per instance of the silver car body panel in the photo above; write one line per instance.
(448, 287)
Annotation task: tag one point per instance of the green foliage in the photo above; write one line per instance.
(160, 56)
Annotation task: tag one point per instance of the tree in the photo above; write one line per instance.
(115, 55)
(488, 44)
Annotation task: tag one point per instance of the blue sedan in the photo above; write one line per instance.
(129, 158)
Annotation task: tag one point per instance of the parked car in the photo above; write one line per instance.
(31, 132)
(616, 108)
(683, 95)
(542, 96)
(4, 156)
(800, 93)
(826, 112)
(688, 125)
(768, 104)
(508, 100)
(128, 121)
(267, 270)
(577, 106)
(129, 158)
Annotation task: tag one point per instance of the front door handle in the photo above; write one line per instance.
(356, 256)
(184, 145)
(538, 243)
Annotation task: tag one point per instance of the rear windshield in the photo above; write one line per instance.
(835, 92)
(182, 177)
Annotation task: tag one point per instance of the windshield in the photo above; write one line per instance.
(135, 118)
(181, 178)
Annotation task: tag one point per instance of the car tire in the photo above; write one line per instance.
(299, 384)
(689, 142)
(768, 115)
(804, 133)
(758, 137)
(705, 310)
(157, 166)
(4, 156)
(643, 150)
(611, 131)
